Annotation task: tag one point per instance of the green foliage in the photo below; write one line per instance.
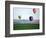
(25, 26)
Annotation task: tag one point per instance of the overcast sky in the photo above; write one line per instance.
(24, 13)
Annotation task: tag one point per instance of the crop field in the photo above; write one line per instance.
(25, 26)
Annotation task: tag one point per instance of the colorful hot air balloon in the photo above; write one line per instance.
(34, 10)
(30, 18)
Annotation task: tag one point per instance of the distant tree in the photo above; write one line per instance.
(19, 17)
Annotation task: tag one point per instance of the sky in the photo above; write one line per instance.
(25, 13)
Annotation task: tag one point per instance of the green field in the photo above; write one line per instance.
(25, 26)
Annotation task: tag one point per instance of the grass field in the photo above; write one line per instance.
(25, 26)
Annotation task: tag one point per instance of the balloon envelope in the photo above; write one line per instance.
(34, 10)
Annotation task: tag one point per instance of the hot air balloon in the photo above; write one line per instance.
(19, 17)
(30, 18)
(34, 10)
